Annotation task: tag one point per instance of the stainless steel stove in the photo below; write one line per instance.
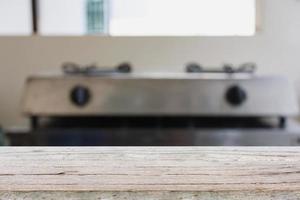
(226, 106)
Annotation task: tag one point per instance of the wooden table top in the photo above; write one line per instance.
(150, 172)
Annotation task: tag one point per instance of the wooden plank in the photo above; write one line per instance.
(150, 172)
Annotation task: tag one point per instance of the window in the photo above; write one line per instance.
(130, 17)
(62, 17)
(97, 16)
(182, 17)
(15, 17)
(73, 17)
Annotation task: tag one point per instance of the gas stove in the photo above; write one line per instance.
(201, 106)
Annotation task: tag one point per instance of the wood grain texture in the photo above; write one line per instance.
(151, 172)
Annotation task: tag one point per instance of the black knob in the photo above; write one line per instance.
(124, 68)
(80, 96)
(194, 68)
(236, 95)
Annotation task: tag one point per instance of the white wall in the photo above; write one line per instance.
(276, 50)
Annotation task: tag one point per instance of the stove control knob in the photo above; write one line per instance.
(80, 96)
(236, 96)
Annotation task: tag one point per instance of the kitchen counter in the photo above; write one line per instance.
(150, 173)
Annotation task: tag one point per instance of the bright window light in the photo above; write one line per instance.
(15, 17)
(182, 17)
(148, 17)
(62, 17)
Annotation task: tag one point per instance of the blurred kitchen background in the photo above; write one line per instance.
(152, 36)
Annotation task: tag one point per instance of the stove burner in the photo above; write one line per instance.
(246, 68)
(93, 70)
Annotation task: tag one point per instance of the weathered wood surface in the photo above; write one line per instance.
(150, 173)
